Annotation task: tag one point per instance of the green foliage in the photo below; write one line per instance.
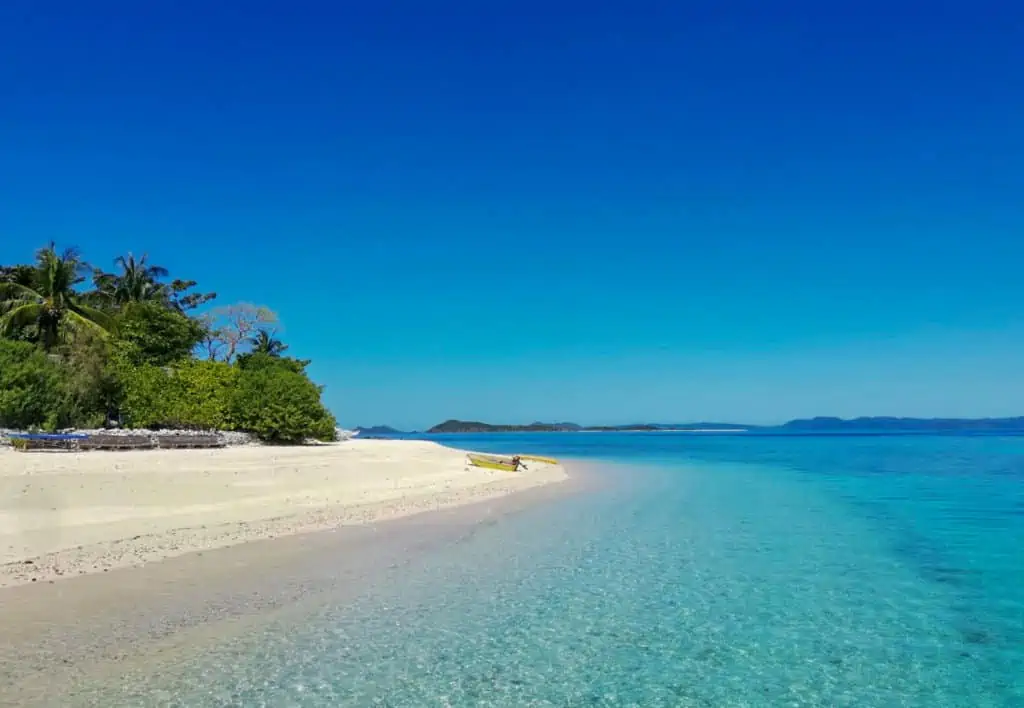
(191, 394)
(264, 342)
(72, 357)
(44, 305)
(22, 274)
(271, 400)
(258, 360)
(154, 334)
(205, 391)
(182, 300)
(280, 405)
(31, 387)
(137, 281)
(91, 391)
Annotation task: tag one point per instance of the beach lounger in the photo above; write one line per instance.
(117, 442)
(170, 442)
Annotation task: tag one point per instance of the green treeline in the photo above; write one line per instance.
(80, 346)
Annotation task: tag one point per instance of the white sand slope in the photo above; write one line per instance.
(68, 514)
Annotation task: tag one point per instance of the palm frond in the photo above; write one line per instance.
(77, 321)
(20, 316)
(16, 290)
(93, 316)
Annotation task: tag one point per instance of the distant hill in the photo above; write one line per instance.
(463, 426)
(877, 424)
(917, 425)
(469, 426)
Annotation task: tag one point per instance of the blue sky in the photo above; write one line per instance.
(600, 212)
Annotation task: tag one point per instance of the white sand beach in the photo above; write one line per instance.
(68, 514)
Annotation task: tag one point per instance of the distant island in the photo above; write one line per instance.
(462, 426)
(820, 425)
(468, 426)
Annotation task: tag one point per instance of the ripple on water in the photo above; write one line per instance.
(690, 585)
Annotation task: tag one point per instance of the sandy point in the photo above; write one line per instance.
(69, 514)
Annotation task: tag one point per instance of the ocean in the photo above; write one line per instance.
(693, 570)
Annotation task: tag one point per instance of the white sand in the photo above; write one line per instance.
(65, 514)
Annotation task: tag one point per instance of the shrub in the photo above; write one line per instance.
(193, 394)
(202, 395)
(31, 387)
(279, 405)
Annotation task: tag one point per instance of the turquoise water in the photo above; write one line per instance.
(700, 571)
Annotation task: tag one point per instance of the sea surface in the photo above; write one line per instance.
(699, 570)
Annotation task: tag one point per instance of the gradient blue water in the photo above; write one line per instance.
(704, 571)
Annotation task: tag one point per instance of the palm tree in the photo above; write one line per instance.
(137, 282)
(264, 342)
(48, 303)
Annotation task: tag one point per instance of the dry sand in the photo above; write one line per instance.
(67, 514)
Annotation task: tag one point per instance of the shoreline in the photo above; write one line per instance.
(62, 640)
(65, 515)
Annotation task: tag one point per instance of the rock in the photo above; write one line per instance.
(230, 437)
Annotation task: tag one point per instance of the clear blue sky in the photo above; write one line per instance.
(600, 212)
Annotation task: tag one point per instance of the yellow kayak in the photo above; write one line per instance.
(493, 462)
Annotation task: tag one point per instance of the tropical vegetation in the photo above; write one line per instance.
(81, 347)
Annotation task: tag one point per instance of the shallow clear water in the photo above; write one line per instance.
(702, 571)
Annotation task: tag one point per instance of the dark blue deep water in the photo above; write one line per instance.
(700, 571)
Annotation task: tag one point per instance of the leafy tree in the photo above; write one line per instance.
(22, 274)
(280, 406)
(258, 360)
(50, 308)
(266, 343)
(75, 358)
(230, 327)
(137, 281)
(91, 391)
(153, 334)
(182, 300)
(31, 389)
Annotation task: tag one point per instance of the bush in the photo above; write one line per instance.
(145, 394)
(202, 395)
(279, 405)
(193, 394)
(90, 390)
(31, 387)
